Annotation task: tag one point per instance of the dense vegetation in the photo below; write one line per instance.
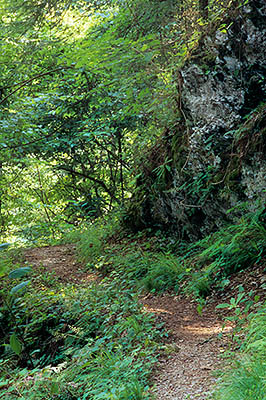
(93, 134)
(89, 94)
(94, 340)
(70, 343)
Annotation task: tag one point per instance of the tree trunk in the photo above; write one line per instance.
(120, 156)
(203, 8)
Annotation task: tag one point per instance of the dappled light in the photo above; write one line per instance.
(206, 331)
(156, 310)
(132, 200)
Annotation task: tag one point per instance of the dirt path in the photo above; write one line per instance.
(59, 260)
(193, 346)
(192, 351)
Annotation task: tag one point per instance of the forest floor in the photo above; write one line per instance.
(192, 352)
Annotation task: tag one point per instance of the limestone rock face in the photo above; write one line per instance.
(223, 105)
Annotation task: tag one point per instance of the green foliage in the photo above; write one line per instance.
(246, 381)
(5, 263)
(106, 339)
(90, 245)
(196, 269)
(199, 267)
(233, 248)
(15, 344)
(245, 377)
(19, 272)
(128, 263)
(85, 87)
(163, 274)
(91, 239)
(240, 310)
(65, 342)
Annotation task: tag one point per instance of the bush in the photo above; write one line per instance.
(164, 273)
(245, 378)
(236, 247)
(84, 342)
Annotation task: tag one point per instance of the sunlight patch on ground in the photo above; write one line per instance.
(157, 310)
(203, 330)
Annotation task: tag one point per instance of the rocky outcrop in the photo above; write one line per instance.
(218, 163)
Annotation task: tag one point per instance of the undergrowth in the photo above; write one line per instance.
(236, 247)
(245, 376)
(195, 269)
(96, 342)
(75, 343)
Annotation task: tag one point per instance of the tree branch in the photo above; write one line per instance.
(111, 154)
(28, 143)
(26, 82)
(92, 178)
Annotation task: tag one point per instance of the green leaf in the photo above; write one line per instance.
(144, 47)
(223, 305)
(54, 387)
(3, 384)
(199, 309)
(15, 344)
(20, 286)
(239, 297)
(232, 302)
(4, 246)
(19, 273)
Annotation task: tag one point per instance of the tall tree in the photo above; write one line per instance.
(203, 7)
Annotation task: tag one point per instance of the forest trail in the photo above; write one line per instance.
(59, 260)
(195, 350)
(192, 351)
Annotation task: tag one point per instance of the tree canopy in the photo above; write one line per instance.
(86, 88)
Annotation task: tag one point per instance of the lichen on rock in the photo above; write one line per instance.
(223, 107)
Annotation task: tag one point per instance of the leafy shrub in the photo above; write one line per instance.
(164, 273)
(245, 378)
(130, 262)
(91, 238)
(152, 271)
(90, 245)
(231, 249)
(200, 284)
(93, 341)
(35, 318)
(245, 381)
(130, 268)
